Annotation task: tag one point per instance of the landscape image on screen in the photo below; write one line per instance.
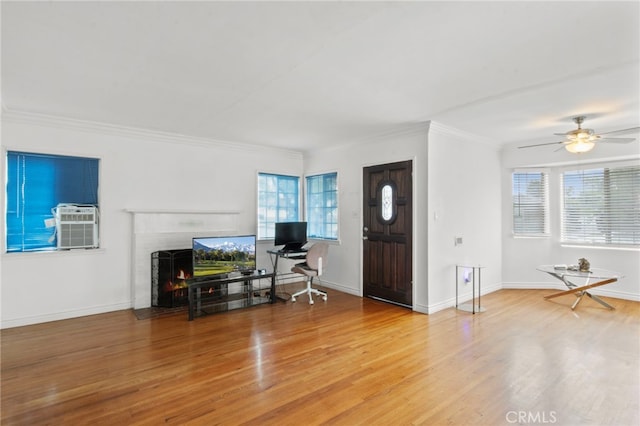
(222, 255)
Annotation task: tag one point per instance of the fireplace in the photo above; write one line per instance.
(169, 271)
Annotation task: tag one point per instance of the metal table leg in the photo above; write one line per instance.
(573, 289)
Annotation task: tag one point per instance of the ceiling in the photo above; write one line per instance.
(306, 75)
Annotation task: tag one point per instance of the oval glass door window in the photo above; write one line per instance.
(387, 202)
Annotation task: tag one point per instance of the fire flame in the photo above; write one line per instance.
(180, 281)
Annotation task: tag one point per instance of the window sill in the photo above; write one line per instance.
(72, 252)
(597, 247)
(322, 240)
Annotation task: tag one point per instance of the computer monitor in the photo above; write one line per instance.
(291, 235)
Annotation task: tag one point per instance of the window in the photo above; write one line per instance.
(601, 206)
(36, 184)
(322, 206)
(278, 200)
(530, 204)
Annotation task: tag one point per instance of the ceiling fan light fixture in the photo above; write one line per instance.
(581, 140)
(579, 146)
(581, 134)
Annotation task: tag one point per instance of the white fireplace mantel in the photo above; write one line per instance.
(179, 211)
(165, 229)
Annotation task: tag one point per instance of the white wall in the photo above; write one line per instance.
(138, 170)
(453, 175)
(461, 189)
(464, 201)
(345, 270)
(521, 256)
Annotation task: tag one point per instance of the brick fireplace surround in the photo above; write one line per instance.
(154, 230)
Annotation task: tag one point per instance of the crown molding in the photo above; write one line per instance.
(461, 134)
(399, 130)
(60, 122)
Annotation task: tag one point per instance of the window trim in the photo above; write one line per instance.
(306, 204)
(547, 203)
(299, 201)
(53, 153)
(590, 166)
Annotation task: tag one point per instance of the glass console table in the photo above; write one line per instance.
(213, 294)
(593, 278)
(474, 271)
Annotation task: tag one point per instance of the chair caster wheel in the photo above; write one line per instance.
(324, 298)
(311, 302)
(293, 299)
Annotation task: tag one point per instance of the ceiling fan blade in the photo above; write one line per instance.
(629, 130)
(542, 144)
(616, 140)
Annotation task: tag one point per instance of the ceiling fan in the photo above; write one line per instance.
(583, 140)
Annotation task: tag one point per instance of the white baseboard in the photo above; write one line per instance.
(338, 287)
(463, 297)
(600, 291)
(615, 294)
(425, 309)
(57, 316)
(440, 306)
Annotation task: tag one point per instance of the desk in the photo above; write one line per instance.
(276, 254)
(466, 307)
(218, 298)
(603, 277)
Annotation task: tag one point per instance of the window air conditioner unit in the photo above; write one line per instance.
(77, 226)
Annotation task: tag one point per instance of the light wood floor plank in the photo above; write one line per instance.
(348, 361)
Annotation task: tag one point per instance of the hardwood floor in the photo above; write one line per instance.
(348, 361)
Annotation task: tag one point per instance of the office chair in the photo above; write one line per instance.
(313, 267)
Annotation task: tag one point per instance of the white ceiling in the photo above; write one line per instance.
(304, 75)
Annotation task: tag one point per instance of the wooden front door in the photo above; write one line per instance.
(387, 231)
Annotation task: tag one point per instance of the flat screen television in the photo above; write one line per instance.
(223, 255)
(291, 235)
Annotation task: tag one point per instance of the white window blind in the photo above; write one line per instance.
(530, 204)
(35, 184)
(602, 206)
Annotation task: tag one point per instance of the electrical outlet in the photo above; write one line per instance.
(458, 241)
